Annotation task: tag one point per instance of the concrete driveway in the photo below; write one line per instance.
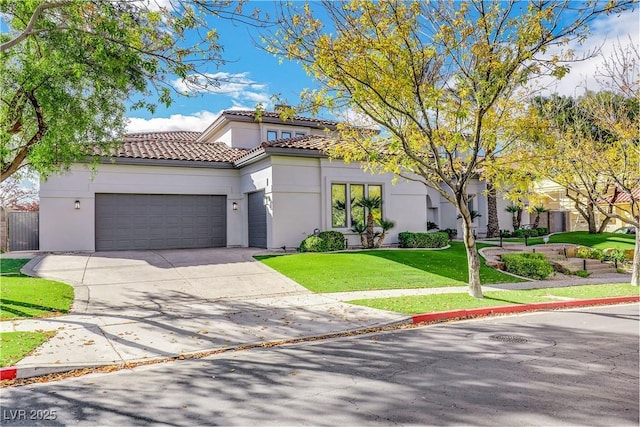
(132, 306)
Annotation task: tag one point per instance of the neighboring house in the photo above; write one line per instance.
(242, 182)
(621, 206)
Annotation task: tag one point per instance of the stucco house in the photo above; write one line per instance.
(243, 182)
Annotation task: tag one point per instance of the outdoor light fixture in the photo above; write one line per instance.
(77, 204)
(234, 206)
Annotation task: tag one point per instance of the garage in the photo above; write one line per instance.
(159, 221)
(257, 220)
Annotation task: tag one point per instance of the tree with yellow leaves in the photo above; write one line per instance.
(591, 145)
(439, 79)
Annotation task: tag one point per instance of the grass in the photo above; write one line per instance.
(381, 269)
(17, 345)
(9, 266)
(583, 238)
(444, 302)
(24, 297)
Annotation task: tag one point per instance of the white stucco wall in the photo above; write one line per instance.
(63, 228)
(297, 203)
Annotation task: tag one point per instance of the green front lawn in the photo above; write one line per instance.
(381, 269)
(27, 297)
(444, 302)
(583, 238)
(17, 345)
(24, 297)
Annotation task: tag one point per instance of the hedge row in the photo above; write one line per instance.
(522, 232)
(408, 239)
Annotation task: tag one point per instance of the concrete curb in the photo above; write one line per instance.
(23, 372)
(508, 309)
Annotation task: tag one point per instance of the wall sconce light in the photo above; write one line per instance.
(267, 201)
(77, 204)
(234, 206)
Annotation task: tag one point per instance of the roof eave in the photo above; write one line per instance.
(167, 162)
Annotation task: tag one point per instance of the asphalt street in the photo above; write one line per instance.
(577, 367)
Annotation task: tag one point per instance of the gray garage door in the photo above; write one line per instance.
(257, 220)
(154, 221)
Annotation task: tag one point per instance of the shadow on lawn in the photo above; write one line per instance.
(7, 305)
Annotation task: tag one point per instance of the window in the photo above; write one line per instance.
(344, 212)
(272, 135)
(300, 134)
(285, 134)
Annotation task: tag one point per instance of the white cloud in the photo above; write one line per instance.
(237, 86)
(196, 122)
(606, 33)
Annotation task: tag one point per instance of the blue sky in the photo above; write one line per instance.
(254, 76)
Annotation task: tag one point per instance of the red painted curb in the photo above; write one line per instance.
(488, 311)
(8, 373)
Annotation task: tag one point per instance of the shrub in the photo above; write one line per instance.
(313, 244)
(613, 254)
(582, 273)
(505, 233)
(535, 266)
(452, 232)
(408, 239)
(323, 242)
(589, 253)
(542, 231)
(334, 240)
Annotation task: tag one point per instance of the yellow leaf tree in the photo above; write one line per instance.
(591, 145)
(439, 80)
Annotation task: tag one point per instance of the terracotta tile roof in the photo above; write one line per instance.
(178, 135)
(623, 197)
(174, 146)
(276, 115)
(318, 143)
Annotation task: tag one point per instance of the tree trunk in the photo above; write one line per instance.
(473, 259)
(493, 224)
(381, 239)
(536, 221)
(518, 219)
(591, 219)
(635, 276)
(370, 231)
(514, 221)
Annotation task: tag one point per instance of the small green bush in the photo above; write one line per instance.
(324, 242)
(452, 232)
(582, 273)
(542, 231)
(535, 266)
(313, 244)
(589, 253)
(334, 240)
(505, 233)
(613, 254)
(408, 239)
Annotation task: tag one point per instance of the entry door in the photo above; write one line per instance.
(257, 220)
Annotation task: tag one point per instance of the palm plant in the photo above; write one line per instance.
(370, 204)
(538, 210)
(360, 228)
(515, 212)
(386, 226)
